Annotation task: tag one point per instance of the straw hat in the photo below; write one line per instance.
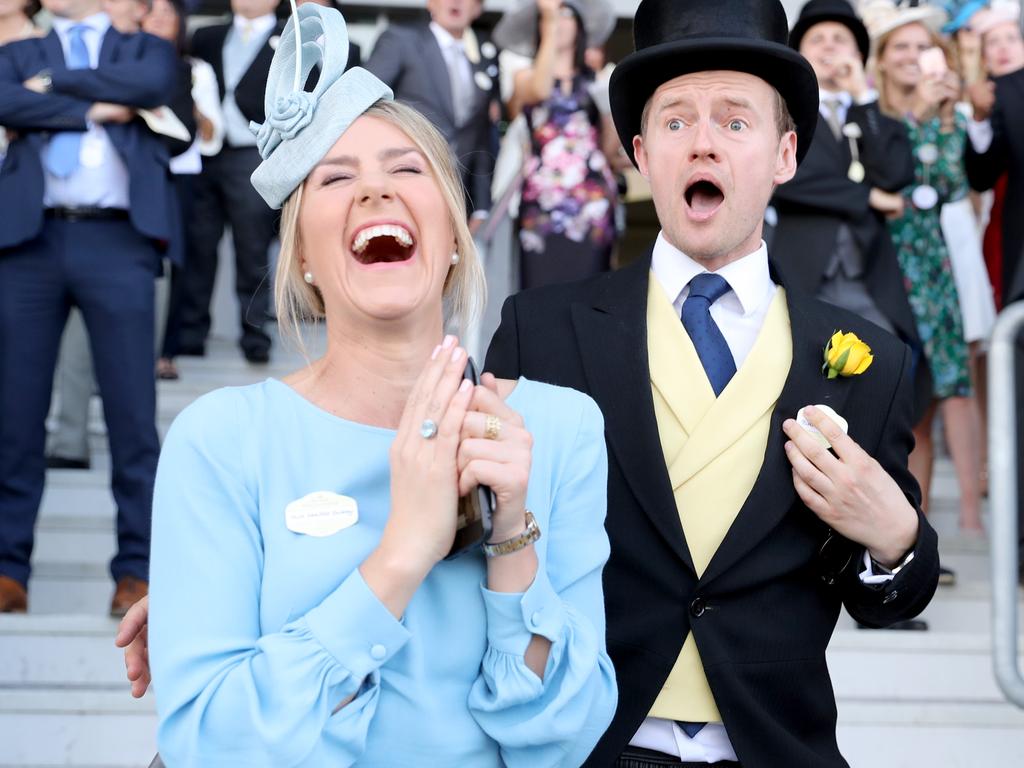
(883, 16)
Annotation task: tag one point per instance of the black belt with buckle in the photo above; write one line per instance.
(87, 213)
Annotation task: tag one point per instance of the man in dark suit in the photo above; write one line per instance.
(86, 196)
(240, 53)
(428, 66)
(831, 240)
(736, 536)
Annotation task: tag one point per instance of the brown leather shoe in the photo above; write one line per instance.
(129, 591)
(13, 597)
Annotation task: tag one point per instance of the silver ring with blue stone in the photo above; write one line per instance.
(428, 429)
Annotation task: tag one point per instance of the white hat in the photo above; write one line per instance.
(516, 31)
(883, 16)
(1000, 12)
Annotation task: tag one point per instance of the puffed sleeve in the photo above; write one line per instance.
(557, 720)
(227, 693)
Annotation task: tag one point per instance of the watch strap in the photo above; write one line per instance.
(516, 543)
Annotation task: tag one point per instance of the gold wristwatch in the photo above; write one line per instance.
(523, 540)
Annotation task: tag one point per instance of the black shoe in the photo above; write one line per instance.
(60, 462)
(257, 355)
(912, 625)
(947, 577)
(195, 350)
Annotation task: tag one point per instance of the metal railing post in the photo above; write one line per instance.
(1003, 490)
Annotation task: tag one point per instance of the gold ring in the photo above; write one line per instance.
(492, 427)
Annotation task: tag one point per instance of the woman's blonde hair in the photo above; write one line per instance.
(465, 288)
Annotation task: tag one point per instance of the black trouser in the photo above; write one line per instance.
(224, 196)
(638, 757)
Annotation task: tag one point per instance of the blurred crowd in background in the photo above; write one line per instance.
(909, 208)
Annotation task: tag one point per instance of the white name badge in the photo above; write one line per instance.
(321, 513)
(801, 419)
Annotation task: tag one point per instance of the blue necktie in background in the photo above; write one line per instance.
(712, 349)
(62, 151)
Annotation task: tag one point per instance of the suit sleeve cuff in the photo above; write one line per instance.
(356, 628)
(513, 618)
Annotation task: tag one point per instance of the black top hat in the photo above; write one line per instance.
(678, 37)
(817, 11)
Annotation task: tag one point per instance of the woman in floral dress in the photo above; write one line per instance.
(926, 101)
(567, 213)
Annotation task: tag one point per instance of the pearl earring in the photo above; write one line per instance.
(308, 277)
(455, 258)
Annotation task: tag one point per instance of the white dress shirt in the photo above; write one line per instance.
(739, 315)
(845, 101)
(101, 178)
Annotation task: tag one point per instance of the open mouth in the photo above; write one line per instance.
(704, 197)
(383, 244)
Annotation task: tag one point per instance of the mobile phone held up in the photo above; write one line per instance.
(932, 63)
(475, 508)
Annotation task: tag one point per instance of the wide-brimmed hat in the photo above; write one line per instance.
(840, 11)
(883, 16)
(679, 37)
(1000, 12)
(516, 31)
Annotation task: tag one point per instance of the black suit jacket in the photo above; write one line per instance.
(410, 61)
(763, 612)
(1006, 154)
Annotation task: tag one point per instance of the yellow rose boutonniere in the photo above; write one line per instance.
(846, 355)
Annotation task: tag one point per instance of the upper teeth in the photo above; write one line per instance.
(401, 234)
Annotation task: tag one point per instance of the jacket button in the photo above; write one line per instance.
(697, 607)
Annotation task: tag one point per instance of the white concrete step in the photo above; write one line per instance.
(43, 727)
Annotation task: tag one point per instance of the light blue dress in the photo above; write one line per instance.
(257, 633)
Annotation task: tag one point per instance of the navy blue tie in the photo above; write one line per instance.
(713, 351)
(691, 729)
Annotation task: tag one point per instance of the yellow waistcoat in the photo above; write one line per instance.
(713, 449)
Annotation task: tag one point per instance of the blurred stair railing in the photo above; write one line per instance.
(1003, 390)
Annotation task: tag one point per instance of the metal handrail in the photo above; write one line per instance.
(1003, 490)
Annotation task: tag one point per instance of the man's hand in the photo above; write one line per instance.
(103, 112)
(133, 636)
(849, 490)
(38, 84)
(889, 203)
(849, 75)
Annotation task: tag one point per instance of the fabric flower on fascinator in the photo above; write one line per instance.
(883, 16)
(301, 126)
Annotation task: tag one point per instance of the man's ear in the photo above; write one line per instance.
(641, 155)
(786, 166)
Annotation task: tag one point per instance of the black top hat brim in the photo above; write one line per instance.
(639, 75)
(831, 12)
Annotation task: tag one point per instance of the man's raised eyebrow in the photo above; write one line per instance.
(670, 104)
(738, 102)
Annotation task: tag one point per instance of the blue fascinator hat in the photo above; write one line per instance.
(960, 13)
(301, 126)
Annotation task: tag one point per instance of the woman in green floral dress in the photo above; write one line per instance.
(925, 100)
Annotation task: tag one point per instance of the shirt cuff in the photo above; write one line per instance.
(868, 574)
(980, 134)
(513, 618)
(355, 627)
(480, 214)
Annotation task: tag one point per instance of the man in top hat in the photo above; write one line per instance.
(736, 536)
(831, 240)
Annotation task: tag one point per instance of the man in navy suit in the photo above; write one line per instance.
(86, 199)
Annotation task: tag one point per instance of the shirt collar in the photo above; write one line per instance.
(844, 97)
(261, 25)
(98, 22)
(444, 37)
(749, 277)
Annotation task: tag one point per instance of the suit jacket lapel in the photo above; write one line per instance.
(435, 62)
(54, 51)
(216, 54)
(612, 337)
(773, 494)
(111, 39)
